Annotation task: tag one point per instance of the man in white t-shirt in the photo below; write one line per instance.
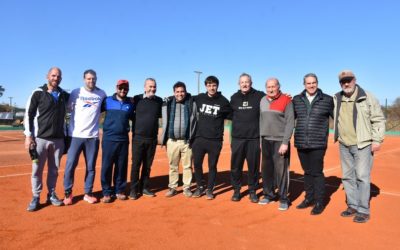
(85, 107)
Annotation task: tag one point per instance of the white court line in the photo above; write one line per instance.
(18, 165)
(12, 138)
(44, 172)
(380, 192)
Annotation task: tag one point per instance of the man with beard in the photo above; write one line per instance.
(359, 126)
(115, 144)
(44, 131)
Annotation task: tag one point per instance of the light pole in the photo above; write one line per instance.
(198, 80)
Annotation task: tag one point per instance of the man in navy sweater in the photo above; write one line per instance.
(119, 110)
(144, 141)
(212, 108)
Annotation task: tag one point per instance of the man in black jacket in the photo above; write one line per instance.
(212, 108)
(312, 111)
(144, 141)
(44, 131)
(245, 145)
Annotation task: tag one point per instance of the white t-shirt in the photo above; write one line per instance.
(85, 108)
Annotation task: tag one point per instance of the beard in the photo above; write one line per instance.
(349, 90)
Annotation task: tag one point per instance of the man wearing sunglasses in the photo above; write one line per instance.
(119, 110)
(359, 126)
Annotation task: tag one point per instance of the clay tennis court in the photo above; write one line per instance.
(189, 223)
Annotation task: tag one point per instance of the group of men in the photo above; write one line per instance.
(193, 126)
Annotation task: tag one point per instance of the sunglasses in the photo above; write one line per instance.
(123, 88)
(346, 80)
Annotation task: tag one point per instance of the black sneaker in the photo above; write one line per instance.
(198, 193)
(53, 199)
(148, 193)
(317, 209)
(133, 195)
(305, 204)
(34, 204)
(236, 196)
(253, 197)
(209, 195)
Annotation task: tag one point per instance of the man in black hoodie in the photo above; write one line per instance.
(212, 109)
(245, 145)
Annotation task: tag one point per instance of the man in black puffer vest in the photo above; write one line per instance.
(312, 111)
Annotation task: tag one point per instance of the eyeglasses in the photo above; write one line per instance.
(123, 88)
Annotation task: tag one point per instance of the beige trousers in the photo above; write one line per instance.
(178, 150)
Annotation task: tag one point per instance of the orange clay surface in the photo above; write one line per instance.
(190, 223)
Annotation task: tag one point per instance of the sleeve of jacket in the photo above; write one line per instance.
(30, 113)
(193, 123)
(164, 121)
(289, 125)
(377, 119)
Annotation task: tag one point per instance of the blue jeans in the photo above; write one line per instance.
(356, 176)
(90, 148)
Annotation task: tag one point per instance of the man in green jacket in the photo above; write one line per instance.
(359, 126)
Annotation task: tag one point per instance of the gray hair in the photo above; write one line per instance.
(310, 75)
(275, 79)
(245, 74)
(150, 79)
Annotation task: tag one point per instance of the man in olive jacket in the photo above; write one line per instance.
(359, 127)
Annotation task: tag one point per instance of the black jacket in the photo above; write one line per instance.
(211, 113)
(312, 120)
(50, 114)
(246, 114)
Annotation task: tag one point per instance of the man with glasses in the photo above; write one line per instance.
(115, 144)
(359, 126)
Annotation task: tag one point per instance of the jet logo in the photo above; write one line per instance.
(209, 109)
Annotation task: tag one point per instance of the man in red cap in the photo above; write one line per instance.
(119, 110)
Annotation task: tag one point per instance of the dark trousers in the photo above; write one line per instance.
(248, 150)
(115, 153)
(200, 148)
(312, 162)
(275, 170)
(143, 151)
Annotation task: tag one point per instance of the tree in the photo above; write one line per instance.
(2, 90)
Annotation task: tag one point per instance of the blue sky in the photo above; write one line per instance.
(168, 40)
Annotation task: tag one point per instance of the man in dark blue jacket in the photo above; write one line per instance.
(119, 110)
(312, 111)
